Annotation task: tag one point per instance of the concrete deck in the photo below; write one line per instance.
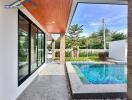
(49, 85)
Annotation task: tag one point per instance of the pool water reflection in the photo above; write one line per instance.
(91, 73)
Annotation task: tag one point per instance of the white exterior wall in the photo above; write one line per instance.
(118, 50)
(9, 89)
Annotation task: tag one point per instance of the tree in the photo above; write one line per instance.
(83, 42)
(118, 36)
(74, 33)
(68, 42)
(57, 44)
(94, 41)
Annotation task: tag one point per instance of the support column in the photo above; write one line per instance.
(53, 50)
(62, 48)
(129, 50)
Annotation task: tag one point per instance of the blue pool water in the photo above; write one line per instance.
(91, 73)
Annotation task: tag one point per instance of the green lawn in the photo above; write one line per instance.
(91, 58)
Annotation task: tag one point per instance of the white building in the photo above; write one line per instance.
(118, 50)
(23, 32)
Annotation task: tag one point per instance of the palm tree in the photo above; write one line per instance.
(74, 33)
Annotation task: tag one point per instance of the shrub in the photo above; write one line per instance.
(57, 54)
(49, 47)
(22, 58)
(103, 56)
(67, 54)
(82, 59)
(86, 54)
(82, 54)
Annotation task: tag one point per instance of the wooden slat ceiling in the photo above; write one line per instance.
(53, 15)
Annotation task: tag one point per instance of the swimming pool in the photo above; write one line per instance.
(92, 73)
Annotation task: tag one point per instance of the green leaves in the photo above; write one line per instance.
(94, 41)
(118, 36)
(74, 33)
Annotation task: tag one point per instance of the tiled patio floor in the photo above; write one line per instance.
(49, 85)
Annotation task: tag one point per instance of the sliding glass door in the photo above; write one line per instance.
(23, 50)
(43, 47)
(31, 47)
(39, 47)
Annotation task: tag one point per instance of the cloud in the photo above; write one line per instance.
(95, 24)
(125, 31)
(116, 18)
(85, 34)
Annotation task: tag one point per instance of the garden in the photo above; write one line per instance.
(83, 56)
(78, 47)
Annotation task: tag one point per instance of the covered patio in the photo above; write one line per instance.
(58, 22)
(48, 82)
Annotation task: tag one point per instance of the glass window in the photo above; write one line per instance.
(33, 47)
(39, 47)
(42, 48)
(23, 52)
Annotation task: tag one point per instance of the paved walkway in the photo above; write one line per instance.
(49, 85)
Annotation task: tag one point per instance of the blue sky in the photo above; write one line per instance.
(90, 15)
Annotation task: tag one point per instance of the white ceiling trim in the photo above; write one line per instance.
(103, 1)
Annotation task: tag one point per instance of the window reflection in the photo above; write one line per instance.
(23, 47)
(39, 47)
(33, 48)
(30, 48)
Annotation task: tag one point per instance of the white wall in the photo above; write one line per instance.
(9, 89)
(118, 50)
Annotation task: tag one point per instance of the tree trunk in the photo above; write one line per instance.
(75, 52)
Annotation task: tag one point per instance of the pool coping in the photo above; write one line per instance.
(78, 88)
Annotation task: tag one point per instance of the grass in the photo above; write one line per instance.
(90, 58)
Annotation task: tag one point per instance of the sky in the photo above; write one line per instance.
(91, 15)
